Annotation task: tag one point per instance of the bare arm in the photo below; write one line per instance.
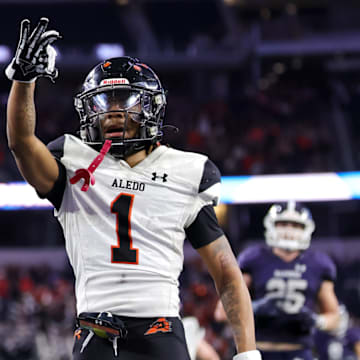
(232, 290)
(328, 305)
(33, 159)
(219, 313)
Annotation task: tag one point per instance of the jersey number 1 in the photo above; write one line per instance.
(123, 251)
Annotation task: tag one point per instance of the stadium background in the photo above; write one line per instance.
(261, 86)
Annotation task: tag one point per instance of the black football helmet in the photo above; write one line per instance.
(293, 238)
(123, 86)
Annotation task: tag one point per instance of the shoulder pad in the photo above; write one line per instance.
(250, 254)
(56, 147)
(211, 175)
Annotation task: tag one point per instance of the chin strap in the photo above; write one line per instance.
(87, 174)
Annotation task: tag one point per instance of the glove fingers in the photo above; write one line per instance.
(38, 31)
(24, 34)
(50, 69)
(46, 62)
(50, 36)
(46, 39)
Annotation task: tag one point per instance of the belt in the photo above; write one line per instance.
(104, 325)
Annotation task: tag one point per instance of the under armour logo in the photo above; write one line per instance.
(154, 177)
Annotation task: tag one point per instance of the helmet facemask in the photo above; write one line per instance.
(287, 237)
(112, 107)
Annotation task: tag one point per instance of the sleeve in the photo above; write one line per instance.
(55, 195)
(247, 258)
(205, 229)
(328, 268)
(202, 227)
(56, 147)
(353, 336)
(208, 191)
(210, 182)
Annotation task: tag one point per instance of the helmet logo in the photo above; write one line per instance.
(107, 64)
(137, 67)
(117, 81)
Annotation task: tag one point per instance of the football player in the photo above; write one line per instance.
(124, 233)
(288, 283)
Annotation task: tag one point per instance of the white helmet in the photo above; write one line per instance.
(289, 238)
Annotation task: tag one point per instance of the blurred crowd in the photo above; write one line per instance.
(284, 131)
(36, 313)
(286, 128)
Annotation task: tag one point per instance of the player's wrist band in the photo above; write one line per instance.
(248, 355)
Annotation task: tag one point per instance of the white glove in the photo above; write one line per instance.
(34, 55)
(248, 355)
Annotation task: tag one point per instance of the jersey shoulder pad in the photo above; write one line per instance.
(250, 255)
(56, 147)
(189, 160)
(198, 170)
(353, 335)
(210, 176)
(73, 152)
(325, 264)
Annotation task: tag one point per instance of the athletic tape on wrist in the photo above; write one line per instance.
(248, 355)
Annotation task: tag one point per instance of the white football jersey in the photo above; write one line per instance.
(124, 236)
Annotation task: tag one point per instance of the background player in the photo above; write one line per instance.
(124, 236)
(288, 283)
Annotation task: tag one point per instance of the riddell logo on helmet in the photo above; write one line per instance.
(120, 81)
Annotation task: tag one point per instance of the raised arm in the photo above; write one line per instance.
(233, 293)
(34, 57)
(33, 159)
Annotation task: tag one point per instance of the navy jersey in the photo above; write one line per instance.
(329, 347)
(351, 338)
(292, 284)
